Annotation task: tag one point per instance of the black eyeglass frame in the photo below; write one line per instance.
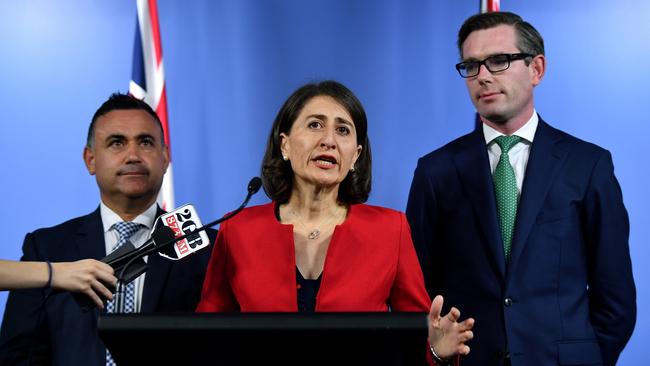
(509, 57)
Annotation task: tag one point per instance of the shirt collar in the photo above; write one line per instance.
(526, 132)
(110, 218)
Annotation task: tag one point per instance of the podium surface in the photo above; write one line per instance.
(266, 338)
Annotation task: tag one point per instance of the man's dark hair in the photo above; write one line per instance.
(528, 38)
(277, 175)
(118, 101)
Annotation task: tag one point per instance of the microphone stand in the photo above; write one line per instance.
(253, 186)
(119, 297)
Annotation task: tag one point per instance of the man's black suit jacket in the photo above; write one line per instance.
(38, 329)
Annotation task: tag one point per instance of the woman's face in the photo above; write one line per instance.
(322, 144)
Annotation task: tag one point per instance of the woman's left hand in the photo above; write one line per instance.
(446, 335)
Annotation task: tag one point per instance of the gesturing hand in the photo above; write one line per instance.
(446, 335)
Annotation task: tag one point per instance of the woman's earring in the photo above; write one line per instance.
(285, 158)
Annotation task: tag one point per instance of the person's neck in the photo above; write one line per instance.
(512, 125)
(128, 209)
(313, 205)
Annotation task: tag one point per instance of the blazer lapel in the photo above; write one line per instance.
(473, 168)
(90, 237)
(543, 166)
(158, 269)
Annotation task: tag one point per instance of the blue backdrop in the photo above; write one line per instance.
(231, 63)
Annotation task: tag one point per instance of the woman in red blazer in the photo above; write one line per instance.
(317, 247)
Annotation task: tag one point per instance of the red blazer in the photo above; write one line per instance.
(370, 265)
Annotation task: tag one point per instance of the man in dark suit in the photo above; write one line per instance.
(126, 152)
(520, 225)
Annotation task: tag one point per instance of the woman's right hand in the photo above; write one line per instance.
(87, 276)
(446, 335)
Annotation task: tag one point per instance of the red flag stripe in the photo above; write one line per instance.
(155, 28)
(493, 5)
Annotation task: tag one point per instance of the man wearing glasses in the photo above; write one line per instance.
(520, 224)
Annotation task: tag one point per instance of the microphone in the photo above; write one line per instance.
(161, 238)
(253, 187)
(122, 255)
(185, 220)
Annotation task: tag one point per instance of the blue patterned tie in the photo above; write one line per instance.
(506, 193)
(125, 230)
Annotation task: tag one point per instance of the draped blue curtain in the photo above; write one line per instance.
(230, 64)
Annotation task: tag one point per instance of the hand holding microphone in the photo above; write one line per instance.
(87, 276)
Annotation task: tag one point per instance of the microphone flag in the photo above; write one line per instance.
(184, 220)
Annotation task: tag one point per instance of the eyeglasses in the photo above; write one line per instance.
(495, 63)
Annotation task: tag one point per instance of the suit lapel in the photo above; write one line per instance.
(473, 167)
(90, 237)
(542, 169)
(155, 279)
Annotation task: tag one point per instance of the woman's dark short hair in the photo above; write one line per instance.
(528, 38)
(277, 175)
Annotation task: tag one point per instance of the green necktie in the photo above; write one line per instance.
(505, 190)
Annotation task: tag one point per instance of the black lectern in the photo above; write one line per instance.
(266, 339)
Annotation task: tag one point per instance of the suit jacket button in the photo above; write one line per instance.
(507, 302)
